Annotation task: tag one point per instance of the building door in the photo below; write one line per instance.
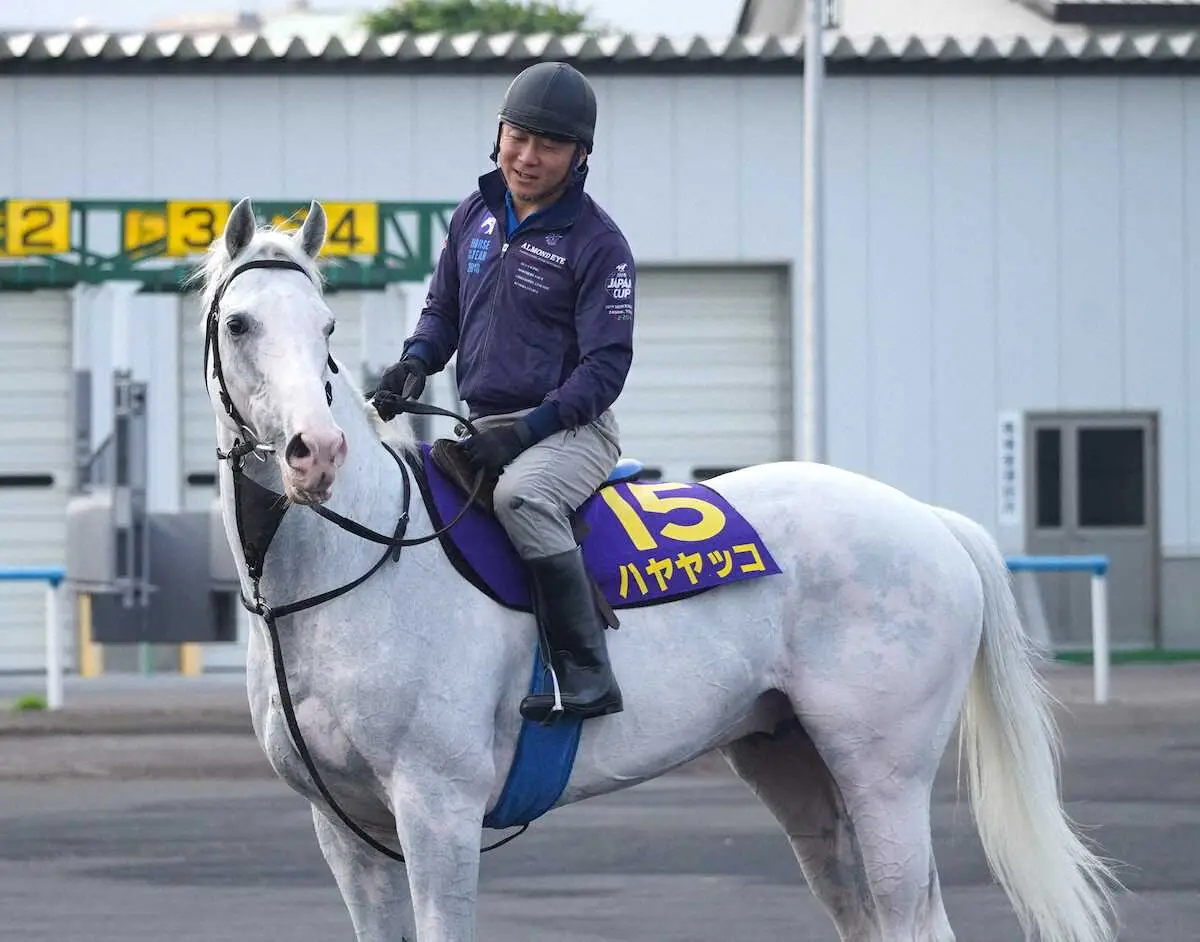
(1092, 488)
(710, 387)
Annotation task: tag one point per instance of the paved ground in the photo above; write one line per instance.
(146, 812)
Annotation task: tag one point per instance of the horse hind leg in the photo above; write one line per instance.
(788, 775)
(873, 893)
(897, 853)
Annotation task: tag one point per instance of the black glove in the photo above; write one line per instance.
(493, 449)
(403, 380)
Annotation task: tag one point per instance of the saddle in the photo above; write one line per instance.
(452, 460)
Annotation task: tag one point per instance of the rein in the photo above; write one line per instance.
(259, 511)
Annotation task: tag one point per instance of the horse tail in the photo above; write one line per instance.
(1011, 741)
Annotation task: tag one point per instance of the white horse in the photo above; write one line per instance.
(831, 688)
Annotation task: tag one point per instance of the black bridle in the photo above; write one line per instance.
(259, 512)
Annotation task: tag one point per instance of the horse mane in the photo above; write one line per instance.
(272, 241)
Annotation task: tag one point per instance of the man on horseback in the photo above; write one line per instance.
(534, 289)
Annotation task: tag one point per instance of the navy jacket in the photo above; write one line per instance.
(541, 315)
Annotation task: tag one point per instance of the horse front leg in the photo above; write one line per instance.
(440, 828)
(373, 886)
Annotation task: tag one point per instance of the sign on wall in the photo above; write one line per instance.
(36, 227)
(56, 243)
(1009, 469)
(184, 227)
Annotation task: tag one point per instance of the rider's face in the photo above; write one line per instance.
(535, 168)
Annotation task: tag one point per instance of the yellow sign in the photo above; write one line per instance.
(187, 227)
(289, 223)
(193, 225)
(353, 229)
(37, 227)
(142, 228)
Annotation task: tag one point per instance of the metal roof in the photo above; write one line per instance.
(995, 18)
(221, 52)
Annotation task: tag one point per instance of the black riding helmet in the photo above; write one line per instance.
(552, 99)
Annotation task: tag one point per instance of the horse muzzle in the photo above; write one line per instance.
(313, 459)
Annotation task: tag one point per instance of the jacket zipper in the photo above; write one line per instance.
(487, 340)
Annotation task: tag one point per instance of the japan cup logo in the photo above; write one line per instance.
(620, 283)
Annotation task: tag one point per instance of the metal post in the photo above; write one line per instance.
(131, 521)
(816, 14)
(1100, 653)
(54, 648)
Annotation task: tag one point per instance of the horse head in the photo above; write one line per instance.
(267, 358)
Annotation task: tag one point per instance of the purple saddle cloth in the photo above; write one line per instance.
(644, 543)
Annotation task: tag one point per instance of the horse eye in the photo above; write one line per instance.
(237, 324)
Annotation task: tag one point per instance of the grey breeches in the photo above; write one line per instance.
(544, 484)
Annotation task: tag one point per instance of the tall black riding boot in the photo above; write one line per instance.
(566, 609)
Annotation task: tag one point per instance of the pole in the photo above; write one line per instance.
(1100, 652)
(812, 324)
(54, 649)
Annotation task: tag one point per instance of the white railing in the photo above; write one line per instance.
(53, 576)
(1098, 567)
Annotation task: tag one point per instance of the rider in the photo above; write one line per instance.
(535, 290)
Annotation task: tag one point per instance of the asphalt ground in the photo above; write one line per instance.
(145, 811)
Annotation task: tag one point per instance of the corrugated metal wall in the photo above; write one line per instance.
(992, 243)
(1015, 243)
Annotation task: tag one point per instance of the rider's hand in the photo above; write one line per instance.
(493, 449)
(403, 380)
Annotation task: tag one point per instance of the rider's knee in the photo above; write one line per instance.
(513, 494)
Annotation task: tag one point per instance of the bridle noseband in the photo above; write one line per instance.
(259, 511)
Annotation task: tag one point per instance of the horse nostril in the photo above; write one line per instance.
(296, 449)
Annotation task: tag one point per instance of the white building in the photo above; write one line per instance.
(1010, 241)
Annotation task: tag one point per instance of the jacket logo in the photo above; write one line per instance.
(477, 254)
(545, 256)
(552, 238)
(488, 225)
(620, 284)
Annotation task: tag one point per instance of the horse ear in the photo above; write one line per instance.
(312, 234)
(239, 229)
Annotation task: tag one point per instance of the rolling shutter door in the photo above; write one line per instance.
(35, 462)
(710, 387)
